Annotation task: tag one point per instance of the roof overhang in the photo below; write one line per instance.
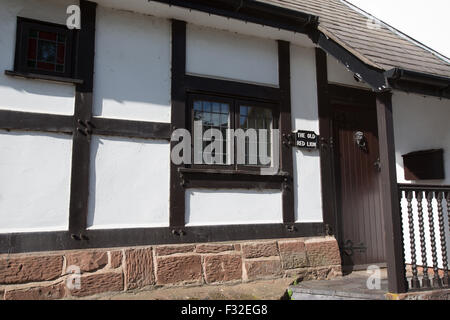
(292, 20)
(252, 11)
(418, 82)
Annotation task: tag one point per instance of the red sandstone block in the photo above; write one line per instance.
(116, 259)
(214, 248)
(260, 269)
(29, 268)
(46, 292)
(259, 249)
(323, 252)
(87, 261)
(98, 283)
(176, 269)
(168, 250)
(293, 254)
(222, 268)
(139, 268)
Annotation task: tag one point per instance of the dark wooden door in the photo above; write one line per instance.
(357, 168)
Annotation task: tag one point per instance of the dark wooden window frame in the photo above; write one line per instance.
(234, 102)
(21, 68)
(82, 125)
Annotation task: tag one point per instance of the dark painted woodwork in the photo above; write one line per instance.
(372, 76)
(131, 129)
(422, 83)
(389, 195)
(45, 77)
(285, 126)
(230, 179)
(415, 283)
(21, 68)
(196, 84)
(29, 121)
(252, 11)
(81, 149)
(48, 241)
(358, 186)
(350, 96)
(326, 145)
(442, 237)
(424, 165)
(178, 119)
(432, 193)
(436, 281)
(425, 279)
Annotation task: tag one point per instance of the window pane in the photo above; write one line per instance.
(214, 115)
(46, 50)
(257, 118)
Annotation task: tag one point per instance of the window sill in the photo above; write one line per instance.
(231, 179)
(228, 172)
(37, 76)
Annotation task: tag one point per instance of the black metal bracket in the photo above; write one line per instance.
(85, 127)
(349, 248)
(288, 140)
(178, 232)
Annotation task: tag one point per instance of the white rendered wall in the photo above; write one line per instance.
(227, 55)
(307, 183)
(129, 183)
(231, 207)
(208, 20)
(421, 123)
(132, 66)
(34, 181)
(23, 94)
(339, 74)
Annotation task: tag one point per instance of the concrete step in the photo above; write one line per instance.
(351, 287)
(308, 294)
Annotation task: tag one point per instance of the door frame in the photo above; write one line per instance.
(329, 94)
(391, 209)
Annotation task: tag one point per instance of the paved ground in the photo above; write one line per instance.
(258, 290)
(351, 287)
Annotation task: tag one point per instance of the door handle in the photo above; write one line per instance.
(377, 165)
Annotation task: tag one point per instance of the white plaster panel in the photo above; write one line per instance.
(26, 94)
(231, 207)
(338, 73)
(307, 183)
(132, 66)
(208, 20)
(35, 173)
(421, 123)
(129, 183)
(227, 55)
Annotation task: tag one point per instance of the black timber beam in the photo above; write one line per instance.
(252, 11)
(375, 78)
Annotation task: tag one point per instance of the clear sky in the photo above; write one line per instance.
(427, 21)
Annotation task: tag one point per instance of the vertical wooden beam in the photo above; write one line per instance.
(84, 69)
(284, 69)
(178, 119)
(326, 145)
(390, 196)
